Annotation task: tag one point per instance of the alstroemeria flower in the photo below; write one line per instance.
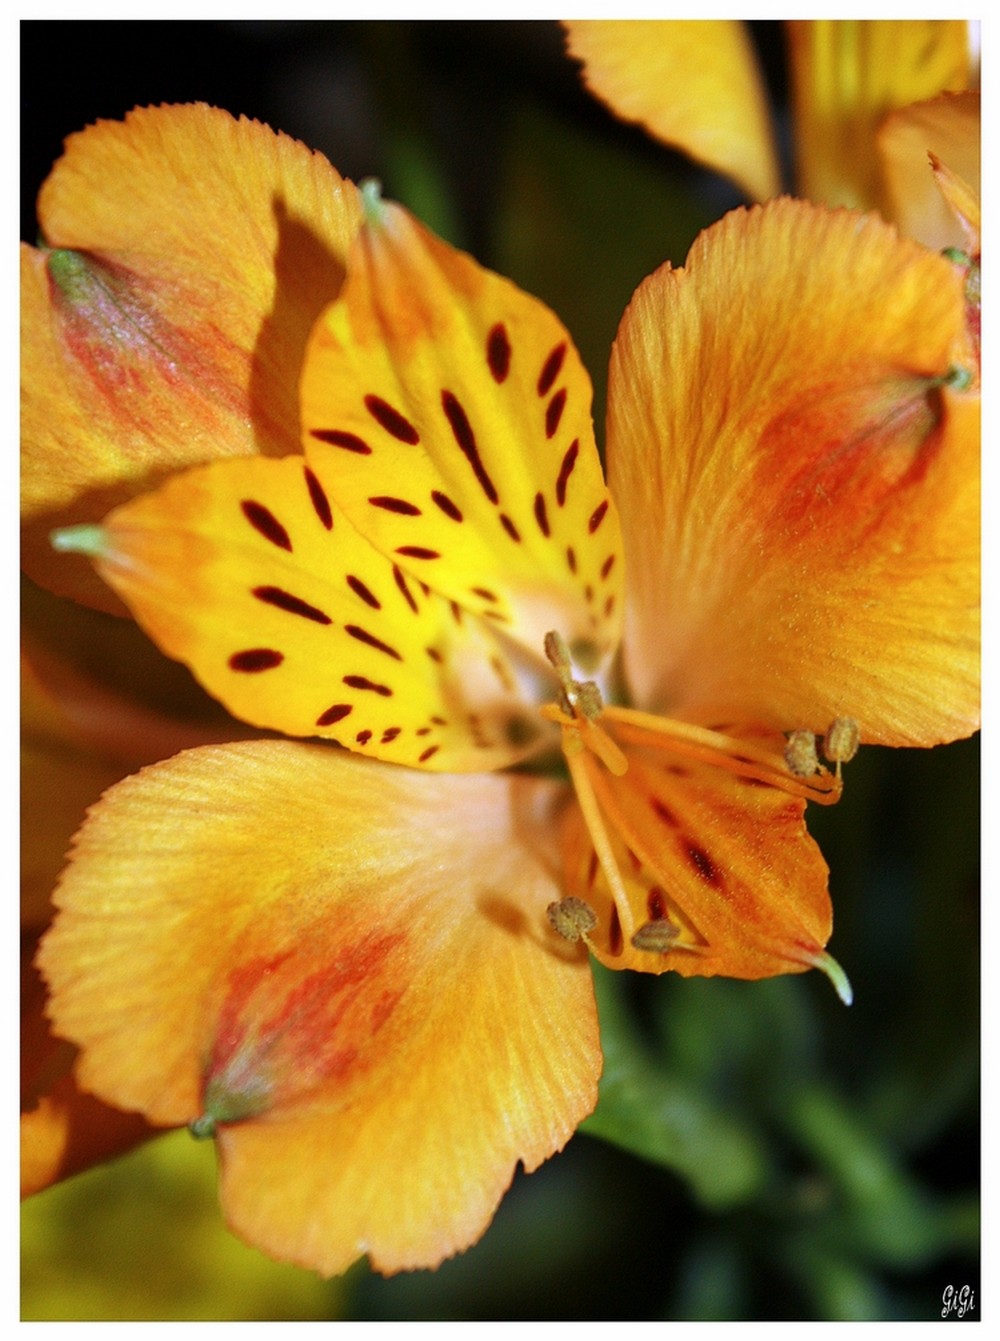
(356, 967)
(872, 100)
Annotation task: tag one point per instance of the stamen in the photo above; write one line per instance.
(572, 918)
(726, 752)
(657, 936)
(800, 754)
(842, 741)
(573, 749)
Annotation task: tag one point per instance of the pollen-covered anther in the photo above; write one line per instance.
(800, 754)
(657, 936)
(841, 742)
(572, 918)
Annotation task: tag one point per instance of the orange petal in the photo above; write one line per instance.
(452, 414)
(720, 874)
(187, 255)
(356, 959)
(938, 205)
(693, 84)
(248, 572)
(848, 75)
(799, 492)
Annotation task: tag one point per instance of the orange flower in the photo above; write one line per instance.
(872, 99)
(360, 969)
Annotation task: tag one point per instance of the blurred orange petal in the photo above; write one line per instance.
(692, 83)
(186, 256)
(802, 484)
(931, 163)
(343, 968)
(848, 75)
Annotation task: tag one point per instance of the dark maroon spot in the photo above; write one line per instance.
(456, 612)
(609, 605)
(656, 902)
(284, 600)
(498, 352)
(663, 812)
(361, 682)
(266, 523)
(554, 412)
(446, 505)
(256, 659)
(407, 593)
(336, 437)
(592, 870)
(677, 770)
(363, 636)
(391, 420)
(588, 593)
(359, 589)
(390, 734)
(422, 731)
(320, 502)
(417, 552)
(607, 566)
(466, 439)
(752, 782)
(485, 592)
(550, 369)
(634, 859)
(510, 528)
(428, 753)
(615, 932)
(363, 737)
(571, 559)
(566, 470)
(703, 864)
(541, 515)
(496, 615)
(435, 655)
(597, 516)
(440, 721)
(399, 505)
(336, 713)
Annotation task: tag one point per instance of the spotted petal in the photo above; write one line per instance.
(452, 415)
(163, 323)
(346, 968)
(248, 572)
(802, 487)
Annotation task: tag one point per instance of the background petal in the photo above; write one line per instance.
(186, 255)
(799, 497)
(692, 83)
(368, 948)
(949, 128)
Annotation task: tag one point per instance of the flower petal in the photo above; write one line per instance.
(947, 128)
(353, 957)
(692, 83)
(452, 413)
(247, 572)
(163, 324)
(720, 865)
(848, 75)
(799, 492)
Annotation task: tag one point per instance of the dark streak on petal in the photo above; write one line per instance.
(498, 352)
(363, 636)
(703, 864)
(615, 940)
(434, 654)
(264, 521)
(428, 753)
(446, 505)
(656, 902)
(363, 737)
(417, 552)
(565, 470)
(466, 439)
(336, 713)
(320, 502)
(550, 369)
(391, 420)
(510, 528)
(390, 734)
(597, 516)
(361, 682)
(554, 412)
(485, 592)
(607, 566)
(365, 593)
(541, 515)
(399, 505)
(571, 559)
(397, 573)
(256, 659)
(336, 437)
(284, 600)
(663, 812)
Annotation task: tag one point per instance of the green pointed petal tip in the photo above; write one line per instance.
(87, 539)
(372, 202)
(202, 1128)
(837, 976)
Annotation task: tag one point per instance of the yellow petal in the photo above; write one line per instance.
(356, 958)
(720, 874)
(799, 493)
(452, 415)
(848, 75)
(248, 573)
(939, 207)
(163, 324)
(693, 84)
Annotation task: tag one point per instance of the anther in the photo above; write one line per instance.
(800, 754)
(840, 744)
(657, 936)
(202, 1128)
(572, 918)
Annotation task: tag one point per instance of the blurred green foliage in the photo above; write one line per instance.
(760, 1151)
